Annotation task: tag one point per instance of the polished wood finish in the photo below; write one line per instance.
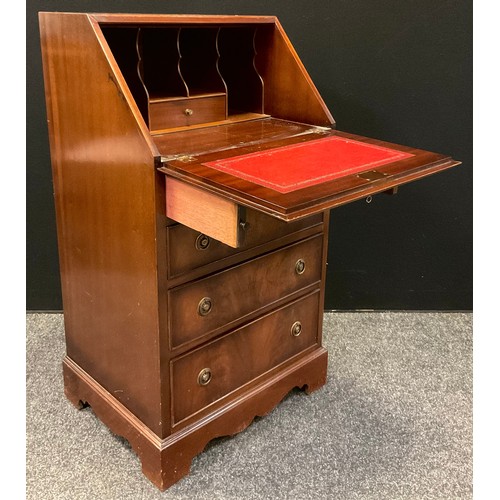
(229, 139)
(241, 356)
(271, 133)
(249, 59)
(184, 112)
(236, 118)
(242, 255)
(166, 461)
(108, 254)
(193, 300)
(179, 19)
(260, 229)
(289, 92)
(271, 278)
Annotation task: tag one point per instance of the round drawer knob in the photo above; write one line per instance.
(205, 376)
(296, 329)
(188, 112)
(202, 242)
(300, 266)
(205, 306)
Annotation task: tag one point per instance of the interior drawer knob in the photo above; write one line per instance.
(300, 266)
(296, 329)
(188, 112)
(205, 306)
(205, 376)
(202, 242)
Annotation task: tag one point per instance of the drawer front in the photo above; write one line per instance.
(218, 216)
(188, 249)
(208, 374)
(185, 112)
(203, 306)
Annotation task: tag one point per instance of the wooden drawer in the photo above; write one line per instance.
(207, 374)
(212, 303)
(182, 112)
(188, 249)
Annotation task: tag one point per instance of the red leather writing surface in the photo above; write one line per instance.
(297, 166)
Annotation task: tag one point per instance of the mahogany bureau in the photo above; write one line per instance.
(194, 166)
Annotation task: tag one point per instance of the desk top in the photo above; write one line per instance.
(297, 166)
(291, 170)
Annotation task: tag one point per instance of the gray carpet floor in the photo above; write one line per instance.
(394, 421)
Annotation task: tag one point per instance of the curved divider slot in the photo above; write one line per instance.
(245, 87)
(160, 61)
(123, 44)
(183, 76)
(199, 60)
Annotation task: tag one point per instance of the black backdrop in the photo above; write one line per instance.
(397, 71)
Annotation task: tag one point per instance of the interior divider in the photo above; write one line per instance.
(245, 87)
(123, 44)
(198, 61)
(160, 63)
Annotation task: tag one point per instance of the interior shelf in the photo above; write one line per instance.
(189, 76)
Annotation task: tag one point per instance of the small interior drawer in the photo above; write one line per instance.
(167, 113)
(208, 374)
(216, 216)
(189, 249)
(225, 298)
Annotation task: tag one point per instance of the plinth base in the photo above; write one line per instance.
(166, 461)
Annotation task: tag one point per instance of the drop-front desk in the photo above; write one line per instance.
(194, 166)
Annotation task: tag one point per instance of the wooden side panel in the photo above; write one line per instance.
(289, 92)
(108, 218)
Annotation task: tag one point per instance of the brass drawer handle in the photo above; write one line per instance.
(188, 112)
(296, 329)
(202, 242)
(205, 376)
(300, 266)
(205, 306)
